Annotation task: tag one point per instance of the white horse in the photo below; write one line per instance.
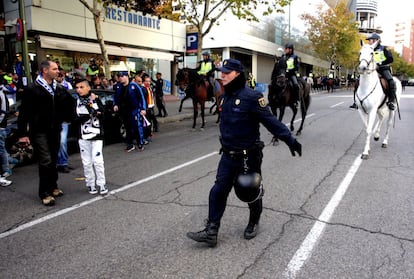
(372, 98)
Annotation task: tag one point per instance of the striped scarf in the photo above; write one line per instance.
(42, 82)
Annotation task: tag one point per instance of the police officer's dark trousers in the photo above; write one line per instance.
(295, 85)
(228, 170)
(385, 72)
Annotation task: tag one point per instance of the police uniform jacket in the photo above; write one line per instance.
(43, 112)
(243, 109)
(291, 58)
(384, 58)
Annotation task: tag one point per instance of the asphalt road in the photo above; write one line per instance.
(327, 214)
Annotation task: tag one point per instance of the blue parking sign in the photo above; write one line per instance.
(192, 42)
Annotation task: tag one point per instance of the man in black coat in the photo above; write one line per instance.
(45, 105)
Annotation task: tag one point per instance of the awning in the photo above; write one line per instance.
(66, 44)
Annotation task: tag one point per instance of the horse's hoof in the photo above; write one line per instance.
(292, 128)
(364, 156)
(376, 138)
(384, 145)
(298, 133)
(202, 129)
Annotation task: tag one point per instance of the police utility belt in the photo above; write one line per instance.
(237, 154)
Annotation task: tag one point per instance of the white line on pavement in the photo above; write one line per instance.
(82, 204)
(338, 104)
(305, 250)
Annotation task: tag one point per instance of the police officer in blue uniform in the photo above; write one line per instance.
(243, 109)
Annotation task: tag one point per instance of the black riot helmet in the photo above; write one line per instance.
(248, 187)
(289, 45)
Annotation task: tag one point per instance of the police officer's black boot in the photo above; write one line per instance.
(208, 235)
(391, 95)
(255, 212)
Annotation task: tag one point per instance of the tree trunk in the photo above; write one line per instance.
(98, 29)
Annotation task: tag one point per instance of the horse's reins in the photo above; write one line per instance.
(362, 100)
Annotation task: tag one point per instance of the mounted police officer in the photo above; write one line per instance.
(243, 109)
(206, 69)
(383, 58)
(93, 69)
(292, 68)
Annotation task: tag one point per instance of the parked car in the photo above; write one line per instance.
(114, 130)
(410, 82)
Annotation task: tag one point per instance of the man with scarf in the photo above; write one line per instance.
(243, 109)
(45, 105)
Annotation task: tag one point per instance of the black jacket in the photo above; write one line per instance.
(41, 112)
(243, 109)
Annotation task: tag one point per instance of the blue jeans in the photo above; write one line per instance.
(63, 156)
(4, 156)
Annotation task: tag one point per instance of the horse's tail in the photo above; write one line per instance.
(306, 95)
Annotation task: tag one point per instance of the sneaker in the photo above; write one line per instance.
(130, 148)
(48, 201)
(6, 173)
(57, 193)
(146, 142)
(140, 148)
(4, 182)
(63, 169)
(92, 190)
(104, 190)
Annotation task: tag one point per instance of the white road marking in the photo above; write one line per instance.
(87, 202)
(338, 104)
(305, 250)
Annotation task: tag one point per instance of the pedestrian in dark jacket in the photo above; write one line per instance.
(159, 95)
(45, 105)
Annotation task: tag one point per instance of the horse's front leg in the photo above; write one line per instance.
(387, 131)
(295, 111)
(202, 106)
(369, 132)
(195, 114)
(181, 104)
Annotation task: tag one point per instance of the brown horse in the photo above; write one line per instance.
(194, 86)
(330, 83)
(281, 96)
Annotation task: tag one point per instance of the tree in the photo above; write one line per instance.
(334, 35)
(98, 8)
(204, 14)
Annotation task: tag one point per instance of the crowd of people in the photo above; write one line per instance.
(47, 108)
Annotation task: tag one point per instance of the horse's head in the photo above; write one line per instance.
(182, 79)
(366, 58)
(281, 80)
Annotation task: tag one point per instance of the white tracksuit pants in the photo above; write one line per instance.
(93, 162)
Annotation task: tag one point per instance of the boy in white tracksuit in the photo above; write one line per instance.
(89, 111)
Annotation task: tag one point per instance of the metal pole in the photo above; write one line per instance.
(25, 48)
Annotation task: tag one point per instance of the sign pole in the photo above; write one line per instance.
(25, 48)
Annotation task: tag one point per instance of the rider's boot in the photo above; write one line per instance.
(391, 95)
(354, 106)
(208, 235)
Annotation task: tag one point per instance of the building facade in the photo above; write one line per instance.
(65, 31)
